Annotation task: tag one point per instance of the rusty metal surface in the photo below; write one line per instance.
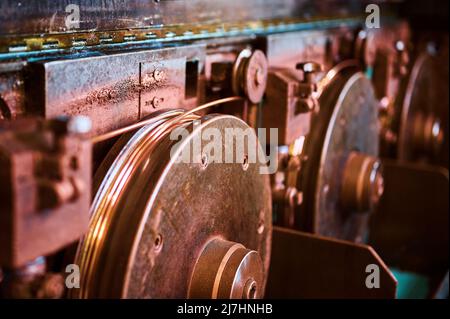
(168, 212)
(50, 16)
(410, 227)
(310, 266)
(347, 121)
(288, 49)
(113, 90)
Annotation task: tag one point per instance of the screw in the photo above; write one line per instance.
(79, 125)
(158, 75)
(156, 102)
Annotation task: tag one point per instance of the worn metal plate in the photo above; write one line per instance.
(51, 16)
(310, 266)
(113, 90)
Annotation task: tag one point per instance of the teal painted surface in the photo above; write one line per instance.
(411, 285)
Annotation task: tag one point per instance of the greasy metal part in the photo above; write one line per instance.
(150, 217)
(227, 270)
(362, 184)
(347, 122)
(410, 226)
(46, 181)
(310, 266)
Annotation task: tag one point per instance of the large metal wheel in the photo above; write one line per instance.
(163, 229)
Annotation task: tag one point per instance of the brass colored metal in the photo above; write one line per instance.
(410, 226)
(311, 266)
(227, 270)
(419, 117)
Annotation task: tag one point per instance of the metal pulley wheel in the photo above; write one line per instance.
(161, 228)
(419, 110)
(250, 75)
(341, 174)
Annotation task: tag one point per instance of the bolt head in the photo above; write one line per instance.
(158, 75)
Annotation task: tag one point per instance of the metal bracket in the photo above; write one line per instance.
(310, 266)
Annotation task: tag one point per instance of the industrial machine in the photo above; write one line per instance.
(223, 149)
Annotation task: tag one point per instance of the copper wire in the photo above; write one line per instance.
(106, 136)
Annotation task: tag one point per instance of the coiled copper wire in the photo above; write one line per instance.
(103, 209)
